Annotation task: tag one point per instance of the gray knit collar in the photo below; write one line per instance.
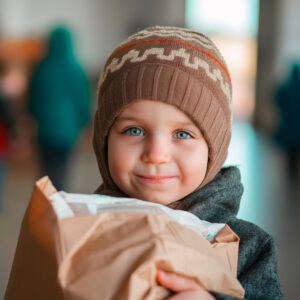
(218, 200)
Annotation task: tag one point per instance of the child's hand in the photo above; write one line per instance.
(184, 288)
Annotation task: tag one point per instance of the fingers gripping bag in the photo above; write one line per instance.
(76, 246)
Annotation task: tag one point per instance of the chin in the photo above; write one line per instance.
(156, 199)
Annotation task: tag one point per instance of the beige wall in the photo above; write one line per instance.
(288, 42)
(99, 25)
(278, 45)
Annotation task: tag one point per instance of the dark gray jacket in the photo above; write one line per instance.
(219, 202)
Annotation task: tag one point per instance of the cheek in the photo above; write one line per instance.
(194, 165)
(120, 160)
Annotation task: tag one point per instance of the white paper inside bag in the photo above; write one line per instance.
(68, 205)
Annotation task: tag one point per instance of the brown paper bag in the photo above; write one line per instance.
(113, 255)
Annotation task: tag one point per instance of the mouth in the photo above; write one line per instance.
(155, 179)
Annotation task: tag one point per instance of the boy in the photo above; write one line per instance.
(161, 134)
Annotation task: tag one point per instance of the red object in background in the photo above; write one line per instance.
(4, 141)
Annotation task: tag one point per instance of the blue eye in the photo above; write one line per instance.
(182, 135)
(134, 131)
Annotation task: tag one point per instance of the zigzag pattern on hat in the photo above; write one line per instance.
(133, 57)
(175, 32)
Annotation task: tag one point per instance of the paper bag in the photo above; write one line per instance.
(113, 255)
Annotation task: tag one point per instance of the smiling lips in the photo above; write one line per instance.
(154, 179)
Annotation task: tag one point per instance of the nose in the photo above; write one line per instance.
(156, 151)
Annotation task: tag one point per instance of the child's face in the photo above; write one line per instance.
(156, 153)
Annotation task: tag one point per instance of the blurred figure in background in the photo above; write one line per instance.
(287, 135)
(12, 84)
(60, 103)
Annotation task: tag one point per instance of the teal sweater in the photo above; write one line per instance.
(219, 201)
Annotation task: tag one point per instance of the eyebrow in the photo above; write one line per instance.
(129, 118)
(132, 118)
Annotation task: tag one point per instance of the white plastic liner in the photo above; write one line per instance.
(68, 205)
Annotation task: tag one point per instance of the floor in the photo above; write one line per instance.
(269, 200)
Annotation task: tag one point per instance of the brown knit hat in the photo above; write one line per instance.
(173, 65)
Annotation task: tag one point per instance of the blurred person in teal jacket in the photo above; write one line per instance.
(60, 103)
(287, 134)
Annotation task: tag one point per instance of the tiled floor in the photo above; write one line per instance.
(267, 200)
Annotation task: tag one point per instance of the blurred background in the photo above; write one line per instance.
(55, 51)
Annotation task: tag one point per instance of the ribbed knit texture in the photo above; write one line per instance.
(218, 202)
(173, 65)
